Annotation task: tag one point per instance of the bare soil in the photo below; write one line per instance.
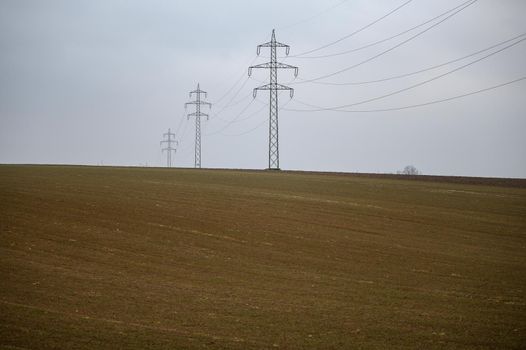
(145, 258)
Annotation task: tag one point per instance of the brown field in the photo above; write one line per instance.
(145, 258)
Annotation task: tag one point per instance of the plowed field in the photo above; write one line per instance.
(146, 258)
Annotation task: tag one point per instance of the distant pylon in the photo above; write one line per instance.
(273, 86)
(197, 114)
(169, 149)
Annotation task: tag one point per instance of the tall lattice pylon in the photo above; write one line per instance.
(198, 114)
(273, 87)
(169, 139)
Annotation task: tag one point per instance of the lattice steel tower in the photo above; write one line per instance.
(169, 149)
(197, 114)
(273, 87)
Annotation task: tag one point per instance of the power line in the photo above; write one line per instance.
(184, 151)
(258, 125)
(273, 86)
(246, 132)
(427, 80)
(245, 97)
(181, 120)
(388, 38)
(184, 129)
(237, 120)
(383, 52)
(229, 103)
(405, 107)
(353, 33)
(217, 103)
(250, 115)
(421, 70)
(233, 120)
(223, 107)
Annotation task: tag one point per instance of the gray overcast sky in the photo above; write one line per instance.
(85, 82)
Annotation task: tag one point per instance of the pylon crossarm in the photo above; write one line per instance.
(270, 44)
(273, 65)
(198, 103)
(273, 87)
(198, 114)
(283, 65)
(263, 65)
(198, 92)
(287, 66)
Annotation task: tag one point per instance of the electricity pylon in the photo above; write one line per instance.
(197, 114)
(273, 86)
(168, 139)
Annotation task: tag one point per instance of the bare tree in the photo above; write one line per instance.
(409, 170)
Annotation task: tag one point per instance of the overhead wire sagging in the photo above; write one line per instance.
(405, 75)
(303, 81)
(377, 42)
(319, 109)
(427, 80)
(231, 97)
(353, 33)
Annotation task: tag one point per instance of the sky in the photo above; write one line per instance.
(98, 82)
